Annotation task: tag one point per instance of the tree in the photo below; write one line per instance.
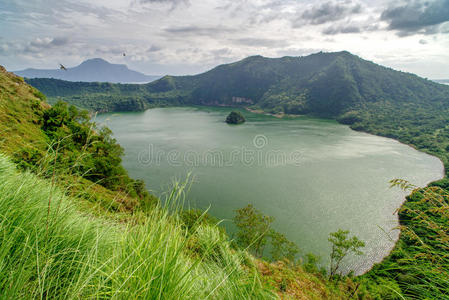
(311, 264)
(254, 228)
(281, 247)
(55, 117)
(342, 245)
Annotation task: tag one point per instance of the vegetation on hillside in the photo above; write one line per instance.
(58, 253)
(342, 245)
(418, 267)
(255, 232)
(60, 142)
(103, 96)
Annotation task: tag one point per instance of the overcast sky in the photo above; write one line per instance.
(191, 36)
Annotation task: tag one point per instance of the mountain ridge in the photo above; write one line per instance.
(91, 70)
(328, 84)
(367, 96)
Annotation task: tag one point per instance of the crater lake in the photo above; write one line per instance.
(314, 176)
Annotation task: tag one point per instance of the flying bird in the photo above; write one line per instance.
(62, 67)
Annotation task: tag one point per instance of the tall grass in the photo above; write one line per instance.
(418, 267)
(65, 254)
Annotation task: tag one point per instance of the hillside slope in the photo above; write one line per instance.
(61, 140)
(55, 252)
(91, 70)
(17, 99)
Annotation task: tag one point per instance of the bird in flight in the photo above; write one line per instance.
(62, 67)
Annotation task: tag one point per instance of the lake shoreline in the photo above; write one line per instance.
(400, 201)
(404, 200)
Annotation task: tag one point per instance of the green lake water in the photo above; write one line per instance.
(313, 175)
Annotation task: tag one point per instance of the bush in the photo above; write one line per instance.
(235, 117)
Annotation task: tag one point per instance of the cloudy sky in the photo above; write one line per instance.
(191, 36)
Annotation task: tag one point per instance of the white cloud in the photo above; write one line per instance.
(181, 36)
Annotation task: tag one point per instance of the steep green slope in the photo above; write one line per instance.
(48, 250)
(60, 140)
(21, 106)
(418, 266)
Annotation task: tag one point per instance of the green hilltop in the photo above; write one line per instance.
(323, 83)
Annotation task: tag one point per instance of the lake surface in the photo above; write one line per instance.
(313, 175)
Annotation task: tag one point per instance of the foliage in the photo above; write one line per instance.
(342, 245)
(192, 218)
(418, 267)
(295, 282)
(58, 253)
(60, 142)
(253, 229)
(311, 264)
(88, 151)
(254, 232)
(104, 97)
(281, 247)
(235, 117)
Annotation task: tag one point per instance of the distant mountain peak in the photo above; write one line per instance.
(92, 70)
(95, 60)
(99, 62)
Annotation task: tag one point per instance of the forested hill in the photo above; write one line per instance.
(323, 83)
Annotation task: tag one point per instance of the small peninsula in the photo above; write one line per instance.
(235, 117)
